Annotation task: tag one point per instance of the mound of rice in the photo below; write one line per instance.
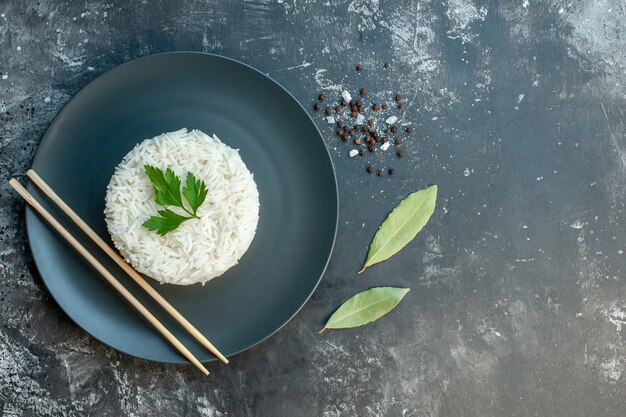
(198, 250)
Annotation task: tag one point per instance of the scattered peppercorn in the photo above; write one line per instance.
(375, 107)
(322, 97)
(370, 122)
(386, 65)
(343, 102)
(385, 107)
(392, 172)
(387, 131)
(370, 169)
(362, 92)
(408, 130)
(340, 132)
(340, 123)
(381, 173)
(400, 154)
(357, 141)
(316, 107)
(328, 111)
(401, 107)
(338, 109)
(352, 131)
(344, 138)
(363, 129)
(398, 142)
(353, 114)
(359, 68)
(398, 98)
(361, 152)
(394, 129)
(371, 147)
(383, 139)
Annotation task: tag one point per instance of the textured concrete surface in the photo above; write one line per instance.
(518, 301)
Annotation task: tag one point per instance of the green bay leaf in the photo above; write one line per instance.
(365, 307)
(402, 225)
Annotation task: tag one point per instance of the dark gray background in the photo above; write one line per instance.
(518, 301)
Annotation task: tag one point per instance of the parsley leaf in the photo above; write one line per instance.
(165, 222)
(195, 192)
(166, 186)
(167, 192)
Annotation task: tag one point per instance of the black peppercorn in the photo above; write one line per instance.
(339, 123)
(371, 147)
(359, 68)
(370, 169)
(386, 65)
(394, 129)
(357, 141)
(398, 142)
(401, 107)
(385, 107)
(370, 122)
(392, 172)
(375, 107)
(316, 107)
(400, 154)
(408, 130)
(353, 114)
(398, 98)
(340, 132)
(362, 92)
(328, 111)
(322, 97)
(363, 129)
(381, 173)
(338, 109)
(361, 152)
(352, 131)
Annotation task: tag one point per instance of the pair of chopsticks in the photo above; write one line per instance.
(40, 183)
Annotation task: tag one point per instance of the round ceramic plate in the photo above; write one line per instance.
(280, 145)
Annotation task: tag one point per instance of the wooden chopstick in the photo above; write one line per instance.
(106, 274)
(41, 184)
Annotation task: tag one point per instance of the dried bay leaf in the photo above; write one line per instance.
(402, 225)
(366, 307)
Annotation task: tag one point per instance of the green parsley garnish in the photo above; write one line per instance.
(167, 191)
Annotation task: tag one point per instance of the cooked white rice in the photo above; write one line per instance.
(199, 249)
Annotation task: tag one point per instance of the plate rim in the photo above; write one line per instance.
(29, 213)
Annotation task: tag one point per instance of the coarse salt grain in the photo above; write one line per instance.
(346, 96)
(385, 146)
(360, 119)
(391, 120)
(353, 153)
(330, 119)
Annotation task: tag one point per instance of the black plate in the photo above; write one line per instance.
(279, 143)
